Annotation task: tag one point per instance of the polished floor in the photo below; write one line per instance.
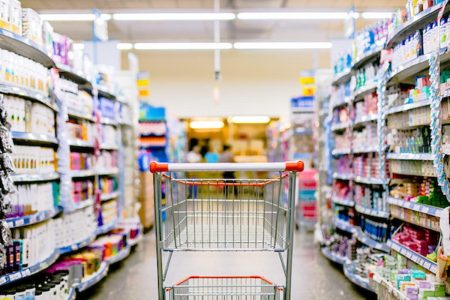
(314, 277)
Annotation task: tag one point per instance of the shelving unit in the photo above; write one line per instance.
(410, 176)
(61, 175)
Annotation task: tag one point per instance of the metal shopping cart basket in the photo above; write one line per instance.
(224, 215)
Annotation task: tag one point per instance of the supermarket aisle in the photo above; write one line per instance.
(314, 277)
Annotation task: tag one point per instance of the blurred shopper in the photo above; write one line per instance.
(194, 155)
(227, 157)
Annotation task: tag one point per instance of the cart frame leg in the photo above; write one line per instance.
(291, 224)
(157, 206)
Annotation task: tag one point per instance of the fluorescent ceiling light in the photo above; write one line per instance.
(124, 46)
(250, 119)
(282, 45)
(173, 16)
(182, 46)
(376, 15)
(292, 15)
(73, 17)
(205, 124)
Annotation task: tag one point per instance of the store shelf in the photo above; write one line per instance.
(82, 173)
(342, 77)
(344, 202)
(124, 253)
(81, 143)
(392, 289)
(77, 246)
(94, 278)
(367, 149)
(27, 272)
(342, 176)
(410, 156)
(365, 58)
(344, 226)
(134, 242)
(28, 94)
(80, 205)
(106, 227)
(367, 180)
(34, 138)
(415, 66)
(72, 75)
(24, 47)
(413, 256)
(422, 208)
(108, 121)
(106, 197)
(372, 212)
(345, 151)
(107, 146)
(417, 22)
(365, 119)
(367, 240)
(356, 279)
(409, 106)
(333, 257)
(35, 177)
(369, 87)
(302, 110)
(104, 91)
(107, 172)
(340, 126)
(80, 116)
(33, 219)
(345, 101)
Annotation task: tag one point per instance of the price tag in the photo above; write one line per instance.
(15, 276)
(19, 222)
(425, 209)
(74, 247)
(416, 207)
(26, 273)
(3, 280)
(409, 255)
(415, 259)
(402, 251)
(378, 245)
(427, 265)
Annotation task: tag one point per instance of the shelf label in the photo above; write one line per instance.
(416, 207)
(427, 265)
(425, 209)
(19, 222)
(15, 276)
(3, 280)
(26, 272)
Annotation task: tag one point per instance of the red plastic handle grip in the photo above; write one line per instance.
(295, 166)
(156, 167)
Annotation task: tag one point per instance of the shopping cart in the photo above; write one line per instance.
(224, 215)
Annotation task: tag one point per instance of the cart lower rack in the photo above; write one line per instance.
(231, 215)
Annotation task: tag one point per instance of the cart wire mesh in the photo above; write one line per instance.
(225, 215)
(225, 288)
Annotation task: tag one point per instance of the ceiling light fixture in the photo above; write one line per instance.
(124, 46)
(376, 15)
(173, 16)
(182, 46)
(281, 45)
(250, 119)
(292, 15)
(206, 124)
(73, 17)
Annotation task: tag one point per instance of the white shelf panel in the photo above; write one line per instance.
(410, 156)
(372, 212)
(422, 208)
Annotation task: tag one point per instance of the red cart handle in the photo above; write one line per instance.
(294, 166)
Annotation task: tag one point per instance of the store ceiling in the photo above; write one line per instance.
(133, 31)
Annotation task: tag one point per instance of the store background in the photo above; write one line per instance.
(317, 105)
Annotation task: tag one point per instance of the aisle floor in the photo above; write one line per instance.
(314, 277)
